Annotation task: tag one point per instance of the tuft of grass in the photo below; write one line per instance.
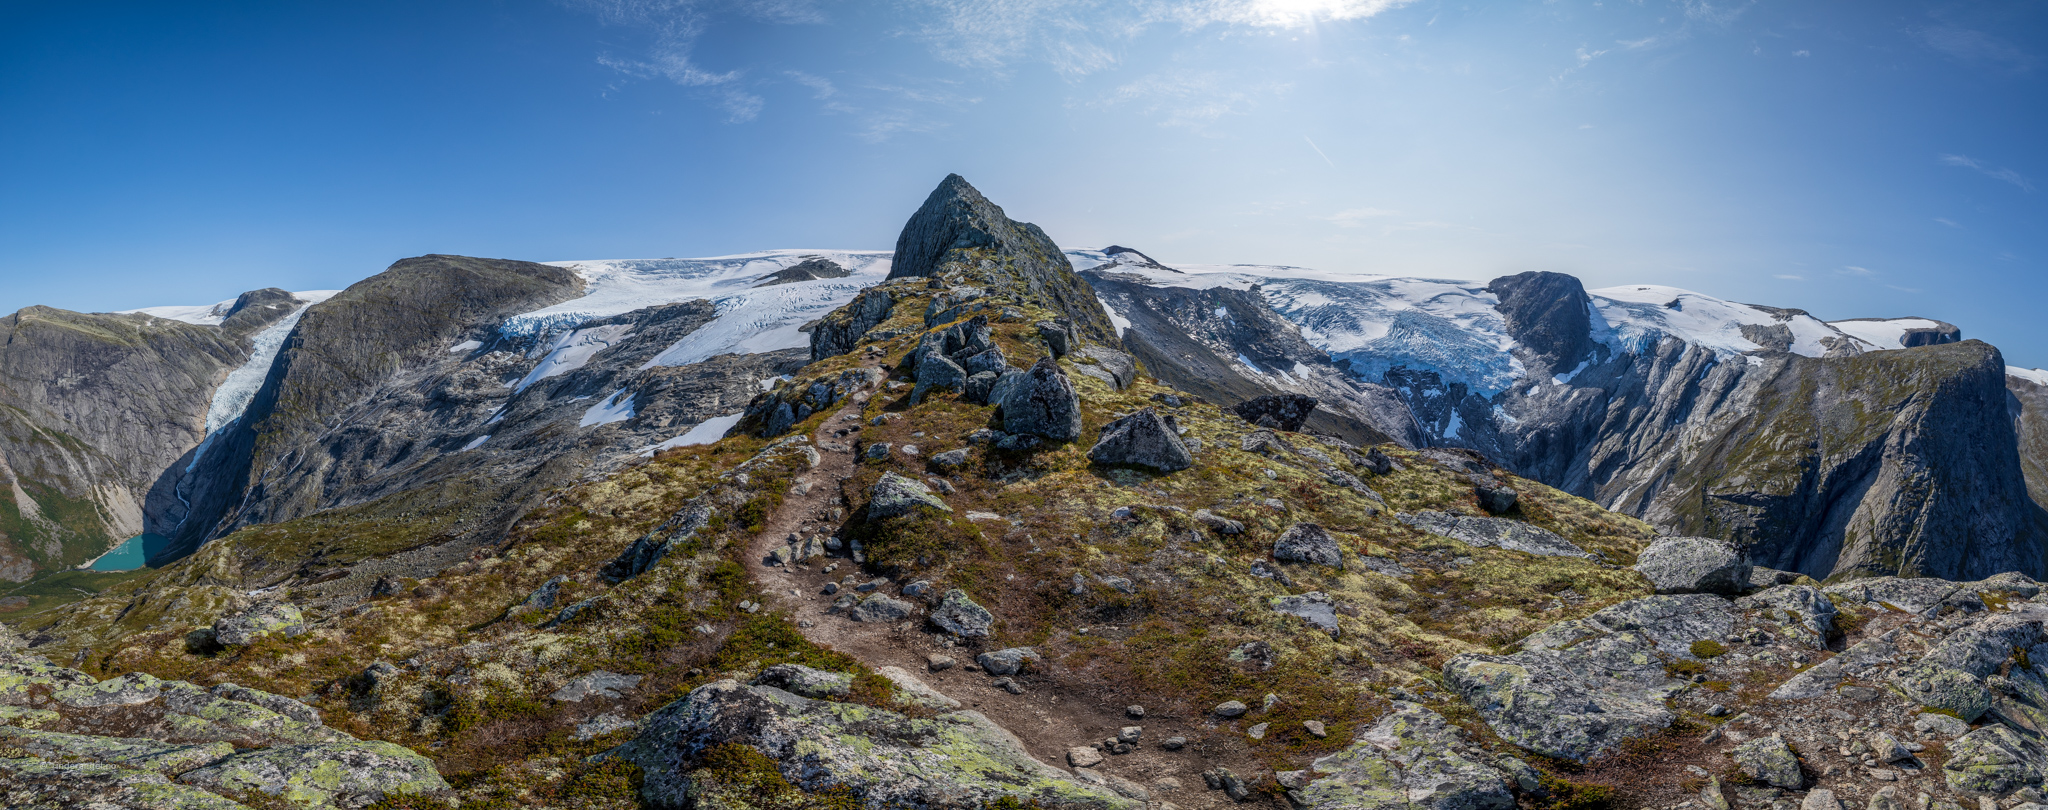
(1708, 648)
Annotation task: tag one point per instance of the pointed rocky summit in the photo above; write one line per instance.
(957, 227)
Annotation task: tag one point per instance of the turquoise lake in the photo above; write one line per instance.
(131, 554)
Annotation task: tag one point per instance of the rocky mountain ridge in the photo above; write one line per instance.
(957, 548)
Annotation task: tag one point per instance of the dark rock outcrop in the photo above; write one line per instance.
(1546, 314)
(1043, 403)
(810, 269)
(1308, 543)
(877, 757)
(840, 331)
(1279, 411)
(1141, 439)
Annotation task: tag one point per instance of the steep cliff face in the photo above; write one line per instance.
(279, 460)
(1848, 464)
(1897, 462)
(94, 409)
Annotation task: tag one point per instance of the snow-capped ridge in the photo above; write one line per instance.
(213, 314)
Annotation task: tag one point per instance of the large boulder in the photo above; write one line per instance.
(937, 371)
(338, 775)
(1141, 439)
(960, 616)
(1803, 613)
(1313, 607)
(1994, 761)
(809, 682)
(1108, 365)
(1410, 760)
(259, 620)
(1308, 543)
(1769, 760)
(1043, 404)
(1277, 411)
(32, 782)
(1694, 565)
(895, 496)
(1581, 688)
(876, 758)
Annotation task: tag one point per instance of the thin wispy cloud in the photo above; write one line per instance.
(1789, 277)
(672, 28)
(1080, 37)
(1946, 221)
(1359, 217)
(1969, 45)
(821, 87)
(2001, 173)
(1191, 100)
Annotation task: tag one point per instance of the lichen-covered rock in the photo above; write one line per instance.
(1218, 523)
(126, 690)
(1314, 607)
(880, 758)
(1910, 594)
(1490, 532)
(1043, 404)
(895, 496)
(599, 684)
(1803, 614)
(261, 619)
(1579, 688)
(1769, 760)
(1821, 679)
(137, 753)
(1277, 411)
(959, 615)
(327, 775)
(1106, 364)
(880, 607)
(804, 681)
(33, 783)
(1007, 661)
(1308, 543)
(1694, 565)
(1994, 761)
(1979, 649)
(1409, 760)
(1141, 439)
(1944, 689)
(912, 690)
(276, 703)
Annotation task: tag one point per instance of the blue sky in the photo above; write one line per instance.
(1852, 159)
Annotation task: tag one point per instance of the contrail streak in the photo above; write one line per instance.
(1319, 151)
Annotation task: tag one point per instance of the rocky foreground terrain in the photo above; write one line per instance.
(972, 552)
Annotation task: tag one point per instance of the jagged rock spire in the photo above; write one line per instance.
(956, 225)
